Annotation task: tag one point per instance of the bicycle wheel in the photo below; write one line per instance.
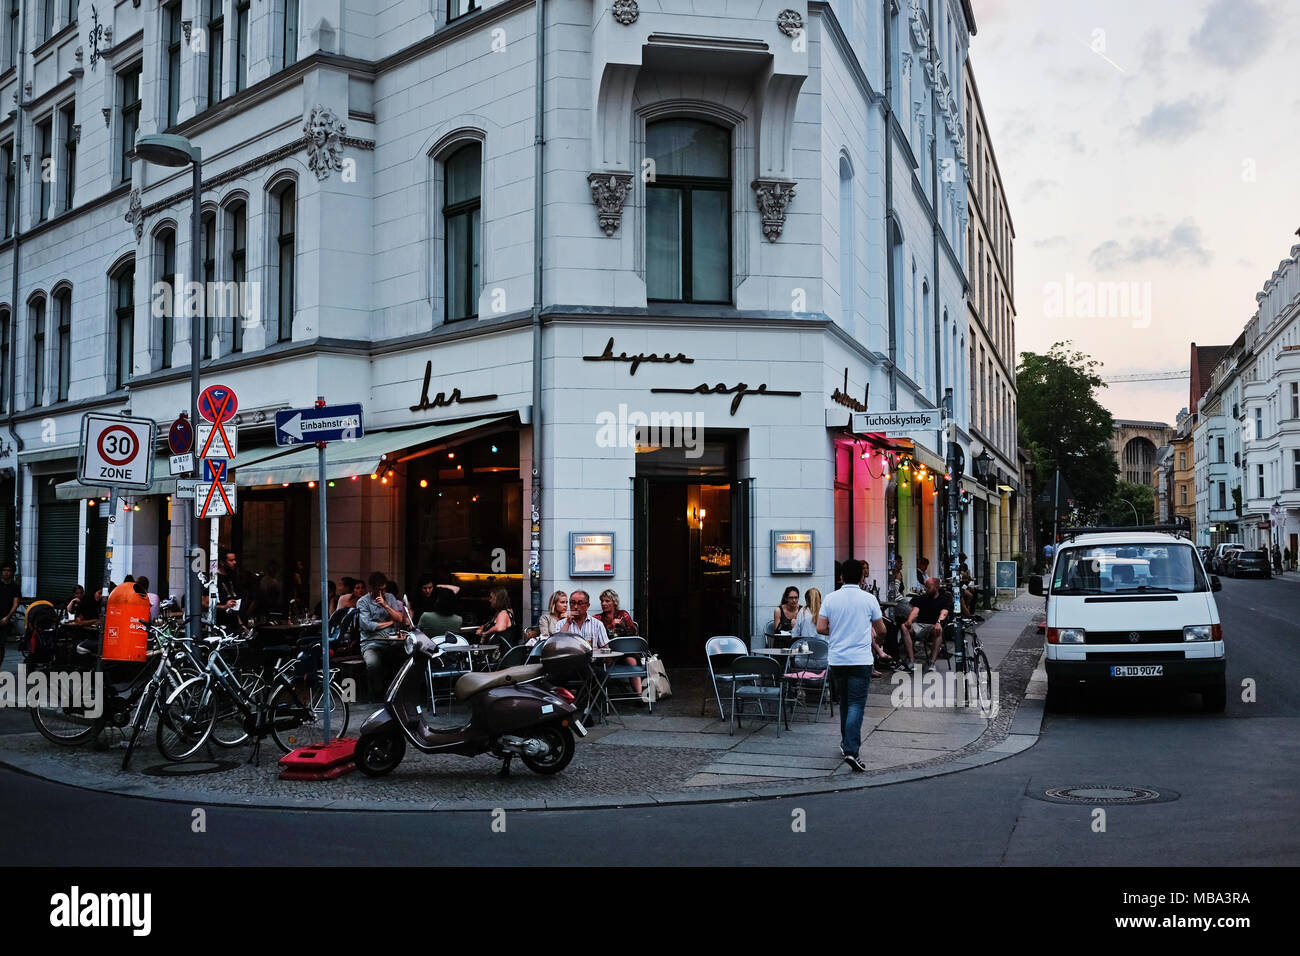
(229, 727)
(983, 677)
(145, 714)
(185, 720)
(70, 726)
(294, 726)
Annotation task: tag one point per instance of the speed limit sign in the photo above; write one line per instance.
(116, 452)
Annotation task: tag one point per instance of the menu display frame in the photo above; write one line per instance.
(783, 543)
(590, 565)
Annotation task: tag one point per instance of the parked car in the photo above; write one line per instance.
(1245, 563)
(1133, 611)
(1205, 551)
(1216, 559)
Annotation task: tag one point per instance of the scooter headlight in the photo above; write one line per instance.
(410, 644)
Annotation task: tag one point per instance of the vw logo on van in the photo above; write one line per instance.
(1133, 637)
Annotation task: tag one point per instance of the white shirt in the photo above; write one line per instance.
(851, 612)
(805, 625)
(592, 631)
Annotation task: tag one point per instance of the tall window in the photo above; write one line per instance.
(129, 85)
(47, 18)
(237, 226)
(13, 33)
(216, 40)
(688, 222)
(4, 357)
(72, 12)
(461, 211)
(1295, 467)
(1259, 424)
(38, 352)
(284, 251)
(458, 8)
(44, 143)
(165, 272)
(1259, 480)
(63, 344)
(1295, 399)
(69, 119)
(172, 36)
(241, 44)
(208, 252)
(847, 271)
(289, 41)
(8, 159)
(124, 322)
(1220, 450)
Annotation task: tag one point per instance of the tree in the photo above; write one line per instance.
(1063, 425)
(1141, 497)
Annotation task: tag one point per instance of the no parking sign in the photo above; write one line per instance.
(116, 452)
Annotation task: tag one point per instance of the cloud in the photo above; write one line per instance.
(1234, 34)
(1182, 246)
(1051, 242)
(1153, 55)
(1040, 188)
(1173, 122)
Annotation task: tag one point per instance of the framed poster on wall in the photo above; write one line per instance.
(591, 554)
(792, 552)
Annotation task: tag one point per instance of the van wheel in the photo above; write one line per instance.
(1061, 697)
(1214, 698)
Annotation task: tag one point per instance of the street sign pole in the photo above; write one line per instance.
(108, 545)
(321, 485)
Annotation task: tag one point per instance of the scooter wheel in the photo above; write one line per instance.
(378, 754)
(560, 740)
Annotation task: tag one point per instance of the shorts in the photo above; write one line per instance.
(925, 632)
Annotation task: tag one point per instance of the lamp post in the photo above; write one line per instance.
(166, 149)
(983, 464)
(1136, 520)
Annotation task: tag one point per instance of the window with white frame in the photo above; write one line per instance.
(462, 230)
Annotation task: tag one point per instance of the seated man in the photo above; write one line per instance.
(379, 622)
(969, 594)
(930, 611)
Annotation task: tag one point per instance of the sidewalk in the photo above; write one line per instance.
(671, 755)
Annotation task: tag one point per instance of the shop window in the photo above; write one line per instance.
(688, 212)
(462, 230)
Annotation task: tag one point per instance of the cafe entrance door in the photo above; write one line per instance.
(691, 544)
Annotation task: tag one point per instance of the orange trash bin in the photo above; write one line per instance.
(125, 637)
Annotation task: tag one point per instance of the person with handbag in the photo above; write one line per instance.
(618, 623)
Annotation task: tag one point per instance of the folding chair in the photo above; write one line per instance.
(513, 657)
(636, 647)
(758, 679)
(721, 652)
(810, 671)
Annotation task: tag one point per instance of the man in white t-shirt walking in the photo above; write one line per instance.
(849, 617)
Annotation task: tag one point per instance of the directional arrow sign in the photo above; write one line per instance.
(296, 426)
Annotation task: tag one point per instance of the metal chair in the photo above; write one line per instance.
(759, 679)
(721, 652)
(810, 671)
(636, 647)
(513, 657)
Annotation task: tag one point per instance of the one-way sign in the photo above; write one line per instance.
(296, 426)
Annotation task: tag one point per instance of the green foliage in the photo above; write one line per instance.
(1141, 497)
(1063, 425)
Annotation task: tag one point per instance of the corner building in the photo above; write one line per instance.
(769, 205)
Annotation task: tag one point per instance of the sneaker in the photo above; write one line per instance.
(927, 667)
(909, 667)
(854, 761)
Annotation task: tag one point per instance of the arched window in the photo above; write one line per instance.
(164, 277)
(688, 212)
(281, 261)
(36, 367)
(237, 270)
(848, 274)
(123, 299)
(63, 341)
(5, 317)
(208, 255)
(462, 230)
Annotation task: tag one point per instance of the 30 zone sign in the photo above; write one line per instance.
(116, 452)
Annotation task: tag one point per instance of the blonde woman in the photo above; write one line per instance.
(557, 609)
(805, 624)
(618, 623)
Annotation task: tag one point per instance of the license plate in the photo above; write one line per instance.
(577, 725)
(1138, 670)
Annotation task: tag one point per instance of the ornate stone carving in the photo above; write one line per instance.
(609, 191)
(76, 132)
(135, 214)
(920, 23)
(324, 141)
(108, 114)
(789, 22)
(626, 12)
(774, 197)
(186, 27)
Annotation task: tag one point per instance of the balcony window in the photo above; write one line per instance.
(462, 230)
(688, 220)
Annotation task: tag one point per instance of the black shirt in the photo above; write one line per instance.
(929, 607)
(227, 590)
(8, 591)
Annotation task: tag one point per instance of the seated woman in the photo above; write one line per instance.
(557, 609)
(502, 629)
(785, 615)
(70, 610)
(618, 623)
(805, 624)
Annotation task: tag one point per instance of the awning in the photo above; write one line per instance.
(923, 455)
(163, 484)
(29, 455)
(343, 459)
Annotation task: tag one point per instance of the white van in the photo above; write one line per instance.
(1131, 610)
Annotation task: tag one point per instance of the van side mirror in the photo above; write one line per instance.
(1215, 583)
(1036, 585)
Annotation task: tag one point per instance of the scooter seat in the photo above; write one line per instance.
(474, 683)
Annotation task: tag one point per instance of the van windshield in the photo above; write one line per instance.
(1128, 569)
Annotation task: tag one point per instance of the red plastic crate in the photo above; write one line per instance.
(320, 763)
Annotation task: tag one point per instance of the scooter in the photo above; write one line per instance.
(515, 712)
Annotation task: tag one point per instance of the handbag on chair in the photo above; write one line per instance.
(656, 684)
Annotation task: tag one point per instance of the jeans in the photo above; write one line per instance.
(381, 664)
(851, 685)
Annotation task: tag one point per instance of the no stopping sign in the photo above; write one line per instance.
(116, 452)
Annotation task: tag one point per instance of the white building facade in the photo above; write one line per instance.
(752, 223)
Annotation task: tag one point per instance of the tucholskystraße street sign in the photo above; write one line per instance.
(297, 426)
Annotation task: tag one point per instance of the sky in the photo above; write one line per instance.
(1150, 153)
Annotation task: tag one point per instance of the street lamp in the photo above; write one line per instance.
(167, 149)
(1136, 520)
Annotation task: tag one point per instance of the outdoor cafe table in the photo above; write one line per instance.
(595, 687)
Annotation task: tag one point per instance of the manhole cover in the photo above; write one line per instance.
(1094, 794)
(190, 769)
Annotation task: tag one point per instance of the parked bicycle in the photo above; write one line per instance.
(968, 658)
